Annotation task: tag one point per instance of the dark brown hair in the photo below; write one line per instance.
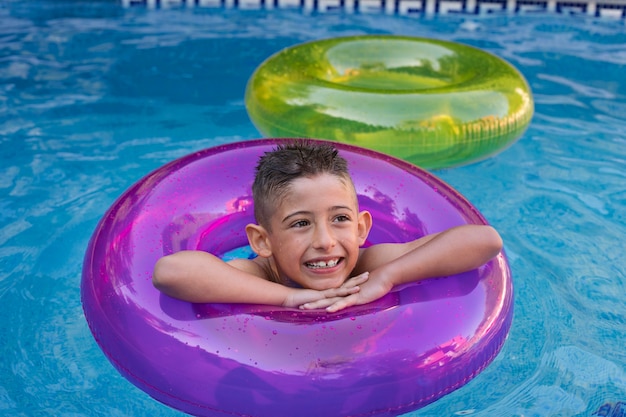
(277, 169)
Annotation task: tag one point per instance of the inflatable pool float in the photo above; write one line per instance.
(431, 102)
(385, 358)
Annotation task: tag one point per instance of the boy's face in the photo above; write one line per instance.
(316, 232)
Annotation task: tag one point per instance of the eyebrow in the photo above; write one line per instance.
(304, 212)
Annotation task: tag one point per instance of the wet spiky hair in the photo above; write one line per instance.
(276, 170)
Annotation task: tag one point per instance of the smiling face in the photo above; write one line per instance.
(315, 232)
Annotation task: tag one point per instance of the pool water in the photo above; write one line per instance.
(94, 96)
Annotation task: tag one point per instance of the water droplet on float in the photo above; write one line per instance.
(274, 332)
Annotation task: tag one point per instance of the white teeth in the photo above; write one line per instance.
(322, 264)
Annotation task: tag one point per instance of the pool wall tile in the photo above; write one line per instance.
(604, 8)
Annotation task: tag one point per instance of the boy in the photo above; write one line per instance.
(308, 239)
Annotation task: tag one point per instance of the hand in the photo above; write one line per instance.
(369, 291)
(304, 297)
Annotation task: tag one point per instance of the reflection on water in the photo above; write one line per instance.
(93, 97)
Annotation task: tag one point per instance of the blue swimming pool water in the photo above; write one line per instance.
(93, 96)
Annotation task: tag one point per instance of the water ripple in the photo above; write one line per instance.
(94, 97)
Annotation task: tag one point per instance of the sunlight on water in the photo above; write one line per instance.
(95, 97)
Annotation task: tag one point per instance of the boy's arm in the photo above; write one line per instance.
(453, 251)
(200, 277)
(450, 252)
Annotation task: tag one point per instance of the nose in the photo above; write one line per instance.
(323, 237)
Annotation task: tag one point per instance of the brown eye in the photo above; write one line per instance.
(300, 223)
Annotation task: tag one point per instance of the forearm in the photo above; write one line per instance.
(451, 252)
(200, 277)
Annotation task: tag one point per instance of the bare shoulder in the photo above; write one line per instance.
(380, 254)
(257, 266)
(377, 255)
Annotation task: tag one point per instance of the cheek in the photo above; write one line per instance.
(289, 246)
(350, 239)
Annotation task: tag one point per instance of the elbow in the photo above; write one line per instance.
(164, 275)
(493, 241)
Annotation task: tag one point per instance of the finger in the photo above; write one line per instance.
(342, 303)
(341, 291)
(319, 303)
(357, 280)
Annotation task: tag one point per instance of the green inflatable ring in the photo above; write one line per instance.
(431, 102)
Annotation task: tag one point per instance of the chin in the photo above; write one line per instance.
(322, 284)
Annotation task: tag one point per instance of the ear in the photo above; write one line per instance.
(259, 240)
(364, 226)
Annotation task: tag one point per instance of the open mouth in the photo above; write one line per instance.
(323, 264)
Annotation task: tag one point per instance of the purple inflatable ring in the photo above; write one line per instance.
(385, 358)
